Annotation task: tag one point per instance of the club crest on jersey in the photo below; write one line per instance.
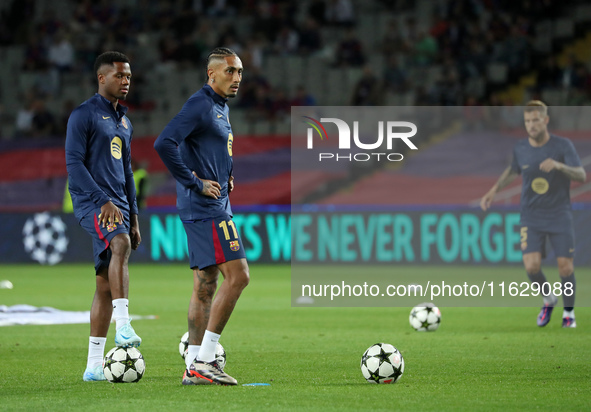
(230, 143)
(116, 146)
(540, 185)
(111, 227)
(124, 122)
(234, 246)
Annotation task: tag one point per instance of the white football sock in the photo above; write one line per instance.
(568, 314)
(96, 351)
(208, 345)
(192, 354)
(120, 312)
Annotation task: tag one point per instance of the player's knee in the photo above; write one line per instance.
(121, 246)
(104, 292)
(207, 275)
(566, 270)
(246, 278)
(240, 279)
(205, 293)
(103, 288)
(532, 268)
(102, 285)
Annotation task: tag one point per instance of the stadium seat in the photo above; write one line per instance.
(497, 73)
(563, 28)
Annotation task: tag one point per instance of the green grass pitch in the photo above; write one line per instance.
(479, 359)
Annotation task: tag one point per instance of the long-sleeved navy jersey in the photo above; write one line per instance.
(545, 197)
(98, 157)
(199, 139)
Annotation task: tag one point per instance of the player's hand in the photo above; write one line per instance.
(135, 236)
(110, 214)
(549, 164)
(210, 188)
(487, 200)
(134, 233)
(230, 184)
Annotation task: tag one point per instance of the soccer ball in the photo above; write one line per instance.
(124, 365)
(425, 317)
(44, 238)
(220, 353)
(382, 363)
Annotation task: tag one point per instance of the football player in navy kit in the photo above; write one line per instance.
(196, 146)
(547, 164)
(98, 160)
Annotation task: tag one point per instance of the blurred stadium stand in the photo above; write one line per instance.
(309, 52)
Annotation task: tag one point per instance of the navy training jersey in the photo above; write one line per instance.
(98, 157)
(199, 139)
(545, 197)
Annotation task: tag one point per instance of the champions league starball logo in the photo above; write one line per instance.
(44, 238)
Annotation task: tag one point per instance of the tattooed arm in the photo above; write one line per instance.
(505, 179)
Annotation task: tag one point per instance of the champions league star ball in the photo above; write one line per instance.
(44, 238)
(220, 353)
(124, 365)
(425, 317)
(382, 363)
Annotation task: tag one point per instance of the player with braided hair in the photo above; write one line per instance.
(196, 146)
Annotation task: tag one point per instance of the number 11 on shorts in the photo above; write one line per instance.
(224, 227)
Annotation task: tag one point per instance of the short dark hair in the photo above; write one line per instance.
(109, 58)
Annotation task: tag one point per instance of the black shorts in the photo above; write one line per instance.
(534, 240)
(101, 237)
(212, 242)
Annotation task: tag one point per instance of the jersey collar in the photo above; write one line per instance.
(216, 97)
(121, 110)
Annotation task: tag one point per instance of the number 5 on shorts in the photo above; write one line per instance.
(523, 239)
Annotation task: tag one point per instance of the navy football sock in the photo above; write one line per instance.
(540, 279)
(569, 301)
